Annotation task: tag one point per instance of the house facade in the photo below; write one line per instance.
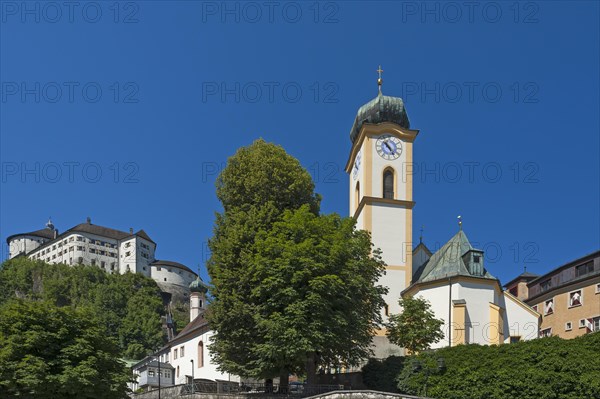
(568, 297)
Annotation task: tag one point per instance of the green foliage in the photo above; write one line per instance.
(264, 174)
(49, 352)
(292, 289)
(128, 306)
(546, 368)
(416, 327)
(380, 374)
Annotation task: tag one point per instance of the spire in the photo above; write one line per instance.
(380, 79)
(459, 222)
(421, 236)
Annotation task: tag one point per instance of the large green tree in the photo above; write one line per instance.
(292, 289)
(415, 328)
(128, 306)
(49, 352)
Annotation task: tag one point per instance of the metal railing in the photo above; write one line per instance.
(257, 389)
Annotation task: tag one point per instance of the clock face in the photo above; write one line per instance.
(356, 166)
(389, 147)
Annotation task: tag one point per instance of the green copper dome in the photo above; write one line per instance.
(380, 109)
(199, 286)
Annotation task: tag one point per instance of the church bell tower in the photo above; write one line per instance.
(380, 168)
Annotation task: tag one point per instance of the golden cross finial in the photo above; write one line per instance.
(379, 80)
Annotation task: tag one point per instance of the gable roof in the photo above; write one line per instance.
(448, 261)
(523, 276)
(198, 325)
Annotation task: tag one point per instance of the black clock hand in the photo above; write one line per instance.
(388, 145)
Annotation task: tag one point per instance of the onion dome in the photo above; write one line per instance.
(380, 109)
(199, 286)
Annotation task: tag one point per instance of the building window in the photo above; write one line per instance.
(582, 323)
(93, 262)
(150, 373)
(165, 279)
(102, 264)
(127, 253)
(598, 288)
(514, 339)
(546, 333)
(575, 298)
(80, 260)
(157, 268)
(388, 184)
(514, 291)
(568, 326)
(549, 307)
(175, 357)
(200, 354)
(182, 351)
(177, 371)
(584, 269)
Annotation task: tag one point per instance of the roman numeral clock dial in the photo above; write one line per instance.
(389, 147)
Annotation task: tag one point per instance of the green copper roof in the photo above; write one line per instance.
(448, 261)
(380, 109)
(199, 286)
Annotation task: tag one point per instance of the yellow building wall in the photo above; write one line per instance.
(563, 313)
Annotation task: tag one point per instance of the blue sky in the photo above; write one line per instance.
(125, 112)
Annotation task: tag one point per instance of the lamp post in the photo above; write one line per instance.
(192, 360)
(441, 368)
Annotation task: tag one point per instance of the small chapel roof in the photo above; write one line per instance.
(448, 261)
(380, 109)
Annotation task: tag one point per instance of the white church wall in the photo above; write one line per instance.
(438, 297)
(183, 364)
(478, 297)
(519, 321)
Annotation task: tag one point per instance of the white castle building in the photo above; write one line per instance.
(112, 250)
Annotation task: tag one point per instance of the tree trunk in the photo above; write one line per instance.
(283, 381)
(311, 370)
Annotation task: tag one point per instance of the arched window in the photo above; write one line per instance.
(357, 195)
(388, 184)
(200, 354)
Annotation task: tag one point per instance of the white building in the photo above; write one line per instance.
(189, 353)
(468, 299)
(112, 250)
(380, 167)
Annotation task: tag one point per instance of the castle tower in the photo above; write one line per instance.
(381, 187)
